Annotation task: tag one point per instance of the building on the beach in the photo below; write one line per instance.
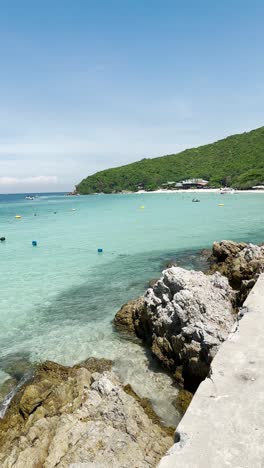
(196, 183)
(193, 183)
(185, 184)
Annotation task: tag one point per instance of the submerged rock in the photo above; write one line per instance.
(183, 400)
(96, 365)
(241, 263)
(148, 408)
(70, 415)
(6, 386)
(16, 365)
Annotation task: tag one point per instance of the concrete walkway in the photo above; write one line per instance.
(224, 425)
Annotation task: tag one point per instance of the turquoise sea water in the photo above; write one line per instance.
(57, 300)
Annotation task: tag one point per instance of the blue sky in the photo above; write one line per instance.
(91, 84)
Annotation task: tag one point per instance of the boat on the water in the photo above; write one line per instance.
(29, 197)
(227, 190)
(72, 194)
(195, 200)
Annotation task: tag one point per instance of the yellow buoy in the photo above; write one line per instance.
(221, 204)
(142, 207)
(18, 216)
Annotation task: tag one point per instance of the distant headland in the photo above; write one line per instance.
(236, 161)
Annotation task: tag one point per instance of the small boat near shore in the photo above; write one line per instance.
(29, 197)
(227, 190)
(72, 194)
(195, 200)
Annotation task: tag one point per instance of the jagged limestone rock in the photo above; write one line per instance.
(188, 315)
(185, 316)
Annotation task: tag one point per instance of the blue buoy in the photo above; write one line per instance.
(34, 243)
(100, 250)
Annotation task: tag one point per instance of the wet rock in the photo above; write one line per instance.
(148, 408)
(68, 415)
(223, 250)
(152, 282)
(126, 317)
(95, 364)
(19, 368)
(183, 400)
(191, 260)
(7, 387)
(205, 254)
(178, 377)
(170, 264)
(33, 396)
(16, 365)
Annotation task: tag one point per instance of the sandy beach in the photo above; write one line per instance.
(217, 191)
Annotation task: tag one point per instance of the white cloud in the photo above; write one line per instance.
(29, 180)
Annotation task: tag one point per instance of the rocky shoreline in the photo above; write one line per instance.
(186, 315)
(241, 263)
(183, 318)
(80, 414)
(65, 416)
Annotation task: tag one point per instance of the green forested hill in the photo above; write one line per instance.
(237, 160)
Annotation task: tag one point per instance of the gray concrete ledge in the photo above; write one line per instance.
(224, 424)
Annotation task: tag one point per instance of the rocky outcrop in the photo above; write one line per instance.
(232, 399)
(67, 416)
(125, 318)
(241, 263)
(185, 317)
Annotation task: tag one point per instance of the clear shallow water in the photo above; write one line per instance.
(57, 300)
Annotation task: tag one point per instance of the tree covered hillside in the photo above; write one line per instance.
(237, 160)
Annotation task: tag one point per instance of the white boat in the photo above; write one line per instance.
(29, 198)
(227, 190)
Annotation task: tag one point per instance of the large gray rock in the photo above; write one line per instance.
(187, 315)
(224, 425)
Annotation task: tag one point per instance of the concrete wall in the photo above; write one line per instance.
(224, 424)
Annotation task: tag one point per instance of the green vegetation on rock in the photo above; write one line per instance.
(236, 161)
